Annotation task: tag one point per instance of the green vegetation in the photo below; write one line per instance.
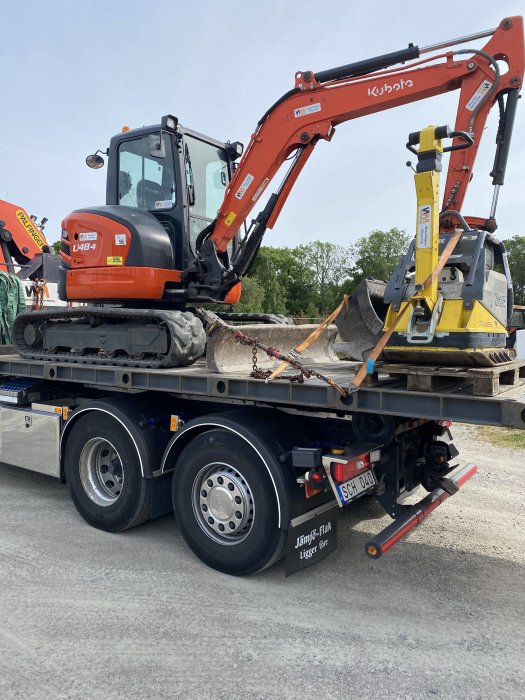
(516, 251)
(310, 280)
(502, 437)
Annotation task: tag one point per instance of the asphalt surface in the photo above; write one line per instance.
(85, 614)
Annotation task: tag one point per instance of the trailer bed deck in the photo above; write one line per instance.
(389, 396)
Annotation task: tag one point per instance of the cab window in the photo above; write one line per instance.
(206, 178)
(146, 178)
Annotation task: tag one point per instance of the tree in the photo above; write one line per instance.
(296, 280)
(329, 264)
(266, 274)
(516, 251)
(252, 298)
(56, 247)
(376, 255)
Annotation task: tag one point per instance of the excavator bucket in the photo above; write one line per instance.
(224, 354)
(360, 324)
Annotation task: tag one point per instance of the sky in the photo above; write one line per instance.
(74, 73)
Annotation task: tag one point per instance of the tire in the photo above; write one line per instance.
(102, 471)
(232, 526)
(188, 341)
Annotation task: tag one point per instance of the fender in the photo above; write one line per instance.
(269, 433)
(128, 411)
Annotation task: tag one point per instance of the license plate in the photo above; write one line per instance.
(355, 487)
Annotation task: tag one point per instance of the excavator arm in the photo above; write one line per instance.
(292, 127)
(20, 237)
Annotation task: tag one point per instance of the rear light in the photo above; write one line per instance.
(316, 477)
(342, 471)
(314, 482)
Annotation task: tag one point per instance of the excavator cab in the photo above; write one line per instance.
(164, 186)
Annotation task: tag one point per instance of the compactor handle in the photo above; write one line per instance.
(442, 132)
(467, 139)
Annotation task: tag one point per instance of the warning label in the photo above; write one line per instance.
(478, 95)
(245, 184)
(309, 109)
(424, 218)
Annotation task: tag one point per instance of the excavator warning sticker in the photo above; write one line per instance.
(25, 220)
(114, 260)
(309, 109)
(478, 95)
(230, 218)
(261, 189)
(245, 184)
(120, 239)
(423, 226)
(88, 236)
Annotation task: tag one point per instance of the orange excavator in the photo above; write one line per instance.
(177, 201)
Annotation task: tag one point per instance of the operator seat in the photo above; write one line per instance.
(149, 192)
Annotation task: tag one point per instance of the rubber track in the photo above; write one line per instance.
(172, 319)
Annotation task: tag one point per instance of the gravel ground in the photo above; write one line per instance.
(85, 614)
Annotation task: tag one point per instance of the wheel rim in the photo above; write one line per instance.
(223, 503)
(101, 472)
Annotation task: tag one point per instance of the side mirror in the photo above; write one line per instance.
(94, 161)
(156, 146)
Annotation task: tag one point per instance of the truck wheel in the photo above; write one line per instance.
(103, 474)
(226, 505)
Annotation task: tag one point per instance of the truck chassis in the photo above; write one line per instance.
(253, 471)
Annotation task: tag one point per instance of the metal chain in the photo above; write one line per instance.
(256, 372)
(40, 288)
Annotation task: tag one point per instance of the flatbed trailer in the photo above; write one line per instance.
(253, 470)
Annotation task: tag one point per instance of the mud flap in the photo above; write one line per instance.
(311, 538)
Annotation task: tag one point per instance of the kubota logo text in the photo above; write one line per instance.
(386, 89)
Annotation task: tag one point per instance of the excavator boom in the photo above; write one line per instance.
(320, 101)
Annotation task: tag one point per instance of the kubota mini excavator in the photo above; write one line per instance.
(176, 201)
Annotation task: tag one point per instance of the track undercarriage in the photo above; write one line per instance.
(117, 336)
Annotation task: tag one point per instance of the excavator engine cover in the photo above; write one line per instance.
(114, 253)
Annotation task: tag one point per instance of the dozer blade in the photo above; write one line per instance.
(224, 354)
(361, 324)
